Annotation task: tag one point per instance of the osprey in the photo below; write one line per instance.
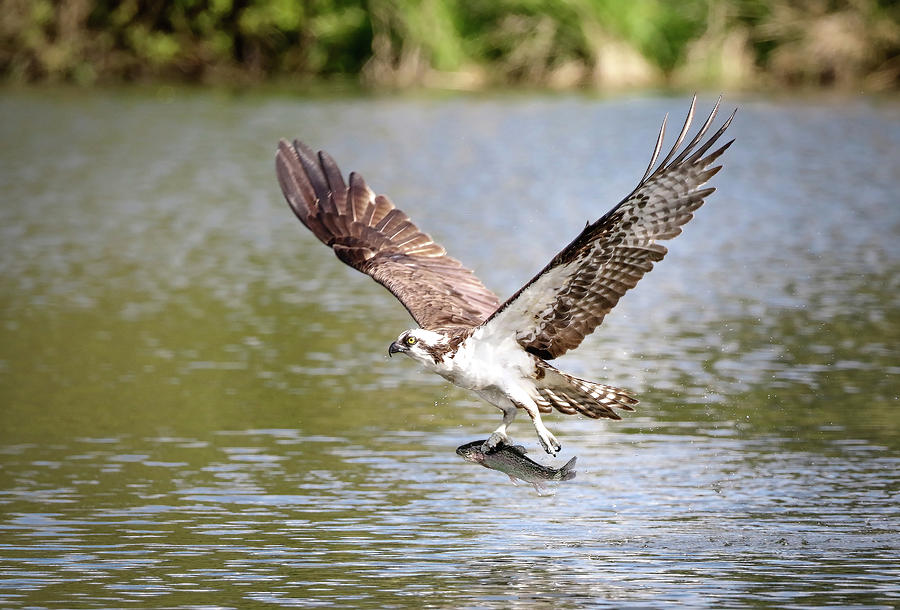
(466, 335)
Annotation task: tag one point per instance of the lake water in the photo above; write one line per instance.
(197, 408)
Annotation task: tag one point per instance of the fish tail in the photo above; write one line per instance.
(567, 472)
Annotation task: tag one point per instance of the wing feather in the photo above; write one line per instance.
(335, 181)
(371, 235)
(569, 298)
(359, 197)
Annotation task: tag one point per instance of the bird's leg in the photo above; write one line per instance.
(551, 445)
(499, 437)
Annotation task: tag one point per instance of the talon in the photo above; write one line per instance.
(551, 445)
(495, 440)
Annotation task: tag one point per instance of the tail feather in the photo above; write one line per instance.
(572, 395)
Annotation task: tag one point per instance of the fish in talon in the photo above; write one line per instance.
(512, 461)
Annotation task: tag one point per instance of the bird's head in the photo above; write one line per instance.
(426, 346)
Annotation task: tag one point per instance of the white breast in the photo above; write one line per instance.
(484, 363)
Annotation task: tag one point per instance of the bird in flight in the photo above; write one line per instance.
(501, 350)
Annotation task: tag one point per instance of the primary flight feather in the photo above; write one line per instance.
(500, 351)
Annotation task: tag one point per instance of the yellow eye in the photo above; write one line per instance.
(411, 340)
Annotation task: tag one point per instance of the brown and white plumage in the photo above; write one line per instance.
(466, 335)
(368, 233)
(569, 298)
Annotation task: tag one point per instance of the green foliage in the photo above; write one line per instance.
(397, 42)
(660, 30)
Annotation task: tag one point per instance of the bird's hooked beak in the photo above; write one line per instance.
(397, 348)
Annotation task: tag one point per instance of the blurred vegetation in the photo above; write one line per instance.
(456, 43)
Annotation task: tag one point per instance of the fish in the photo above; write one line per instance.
(512, 461)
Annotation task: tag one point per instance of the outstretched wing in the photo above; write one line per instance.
(368, 233)
(569, 298)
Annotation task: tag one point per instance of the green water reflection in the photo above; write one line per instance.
(195, 366)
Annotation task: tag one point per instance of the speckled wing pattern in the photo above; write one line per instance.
(368, 233)
(569, 298)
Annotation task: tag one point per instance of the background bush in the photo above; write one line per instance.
(456, 43)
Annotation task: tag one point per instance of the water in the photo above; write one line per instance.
(198, 408)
